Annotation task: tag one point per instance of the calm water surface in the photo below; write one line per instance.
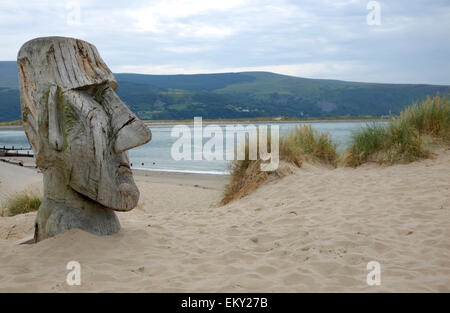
(156, 155)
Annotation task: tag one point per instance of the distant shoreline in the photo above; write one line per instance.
(30, 162)
(269, 120)
(13, 125)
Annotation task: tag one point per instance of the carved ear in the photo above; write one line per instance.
(55, 136)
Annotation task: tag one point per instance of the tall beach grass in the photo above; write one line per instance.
(403, 139)
(20, 203)
(302, 144)
(306, 143)
(431, 117)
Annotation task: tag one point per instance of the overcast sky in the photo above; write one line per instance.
(311, 38)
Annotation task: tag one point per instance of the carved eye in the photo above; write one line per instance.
(99, 91)
(95, 91)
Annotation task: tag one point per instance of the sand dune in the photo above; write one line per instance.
(312, 231)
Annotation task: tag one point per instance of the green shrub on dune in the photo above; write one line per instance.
(402, 140)
(245, 175)
(367, 141)
(21, 203)
(302, 144)
(308, 144)
(431, 117)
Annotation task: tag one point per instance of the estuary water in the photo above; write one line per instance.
(156, 155)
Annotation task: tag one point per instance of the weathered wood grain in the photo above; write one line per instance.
(80, 131)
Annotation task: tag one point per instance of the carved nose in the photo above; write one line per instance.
(128, 130)
(132, 134)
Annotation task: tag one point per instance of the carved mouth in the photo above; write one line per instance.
(124, 169)
(124, 165)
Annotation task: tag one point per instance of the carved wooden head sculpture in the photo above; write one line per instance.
(75, 121)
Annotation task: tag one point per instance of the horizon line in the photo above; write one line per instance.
(281, 74)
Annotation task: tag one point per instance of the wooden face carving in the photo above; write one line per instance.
(75, 121)
(98, 129)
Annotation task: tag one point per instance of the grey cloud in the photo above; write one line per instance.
(319, 39)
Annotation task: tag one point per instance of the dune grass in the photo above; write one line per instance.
(402, 140)
(431, 117)
(302, 144)
(306, 143)
(21, 203)
(245, 177)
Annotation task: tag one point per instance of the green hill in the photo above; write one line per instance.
(241, 95)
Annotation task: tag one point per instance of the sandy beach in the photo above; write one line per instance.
(312, 231)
